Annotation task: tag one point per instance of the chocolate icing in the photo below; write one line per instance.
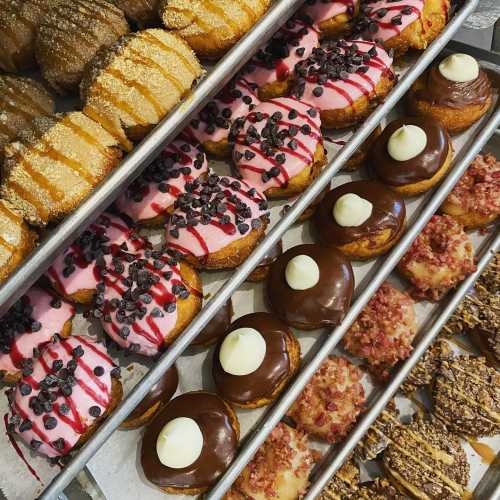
(273, 370)
(323, 305)
(217, 326)
(388, 213)
(219, 442)
(423, 166)
(271, 255)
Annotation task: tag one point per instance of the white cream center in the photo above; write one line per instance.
(350, 210)
(459, 68)
(407, 142)
(242, 351)
(302, 272)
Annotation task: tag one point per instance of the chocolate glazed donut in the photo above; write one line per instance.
(423, 166)
(216, 327)
(326, 303)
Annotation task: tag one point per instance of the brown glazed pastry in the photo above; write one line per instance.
(254, 361)
(142, 12)
(380, 489)
(129, 87)
(262, 270)
(323, 281)
(429, 147)
(214, 421)
(56, 164)
(344, 484)
(362, 219)
(159, 395)
(211, 27)
(216, 327)
(71, 34)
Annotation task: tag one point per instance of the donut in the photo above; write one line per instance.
(331, 401)
(158, 396)
(441, 257)
(475, 200)
(30, 323)
(310, 210)
(143, 13)
(262, 270)
(190, 443)
(333, 17)
(50, 169)
(211, 127)
(217, 223)
(272, 67)
(362, 219)
(151, 197)
(278, 147)
(344, 484)
(132, 85)
(211, 27)
(310, 287)
(76, 272)
(145, 300)
(383, 333)
(216, 327)
(379, 489)
(70, 388)
(254, 360)
(411, 155)
(345, 80)
(280, 468)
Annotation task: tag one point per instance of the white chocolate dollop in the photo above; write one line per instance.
(179, 443)
(407, 142)
(350, 210)
(459, 68)
(302, 272)
(242, 351)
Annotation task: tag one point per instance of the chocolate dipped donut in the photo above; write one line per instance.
(254, 361)
(310, 287)
(262, 270)
(362, 219)
(216, 327)
(333, 17)
(190, 443)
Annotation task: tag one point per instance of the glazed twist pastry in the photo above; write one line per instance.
(142, 12)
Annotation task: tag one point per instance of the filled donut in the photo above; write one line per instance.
(216, 327)
(262, 270)
(334, 18)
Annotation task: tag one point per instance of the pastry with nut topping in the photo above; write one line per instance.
(344, 484)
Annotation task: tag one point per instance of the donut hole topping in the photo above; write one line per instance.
(350, 210)
(302, 273)
(407, 142)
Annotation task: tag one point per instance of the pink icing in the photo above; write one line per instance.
(321, 10)
(144, 200)
(297, 156)
(88, 391)
(51, 319)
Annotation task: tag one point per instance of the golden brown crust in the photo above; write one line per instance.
(344, 484)
(220, 149)
(142, 12)
(143, 419)
(470, 220)
(278, 88)
(84, 296)
(361, 153)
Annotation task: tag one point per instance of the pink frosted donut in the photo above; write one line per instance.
(271, 69)
(217, 223)
(69, 387)
(75, 273)
(331, 16)
(278, 147)
(31, 322)
(151, 197)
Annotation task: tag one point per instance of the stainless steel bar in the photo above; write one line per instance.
(342, 452)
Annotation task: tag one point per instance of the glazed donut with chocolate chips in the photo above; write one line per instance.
(334, 18)
(151, 197)
(216, 327)
(262, 270)
(278, 147)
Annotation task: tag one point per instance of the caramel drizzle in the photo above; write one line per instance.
(67, 50)
(110, 126)
(96, 14)
(12, 218)
(214, 9)
(40, 179)
(28, 196)
(22, 98)
(248, 10)
(487, 454)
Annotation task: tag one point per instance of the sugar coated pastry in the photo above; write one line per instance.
(71, 388)
(142, 12)
(254, 360)
(30, 323)
(211, 127)
(76, 272)
(278, 147)
(440, 258)
(190, 443)
(211, 27)
(262, 270)
(217, 223)
(216, 327)
(272, 68)
(130, 86)
(411, 155)
(151, 197)
(345, 80)
(333, 17)
(344, 484)
(383, 333)
(50, 170)
(457, 92)
(475, 199)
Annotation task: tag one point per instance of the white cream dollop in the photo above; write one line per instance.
(179, 443)
(407, 142)
(350, 210)
(302, 272)
(459, 68)
(242, 351)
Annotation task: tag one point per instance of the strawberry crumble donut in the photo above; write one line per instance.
(331, 401)
(440, 258)
(70, 388)
(475, 200)
(278, 147)
(280, 468)
(333, 17)
(217, 223)
(30, 323)
(150, 198)
(383, 332)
